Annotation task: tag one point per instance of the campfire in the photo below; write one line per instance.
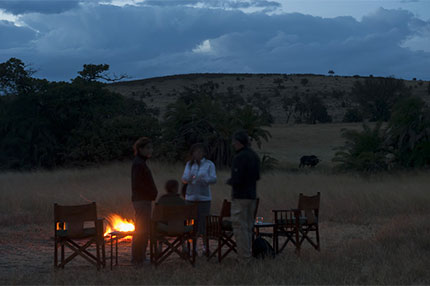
(117, 223)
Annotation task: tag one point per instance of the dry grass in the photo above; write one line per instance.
(373, 230)
(290, 142)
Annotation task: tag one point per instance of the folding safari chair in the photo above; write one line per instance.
(220, 228)
(77, 228)
(173, 226)
(296, 224)
(308, 220)
(286, 225)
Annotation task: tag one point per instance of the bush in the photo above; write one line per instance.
(409, 131)
(376, 96)
(263, 105)
(316, 111)
(268, 163)
(353, 115)
(363, 150)
(304, 81)
(405, 142)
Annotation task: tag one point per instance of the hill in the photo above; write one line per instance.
(334, 91)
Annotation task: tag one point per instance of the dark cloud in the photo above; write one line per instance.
(14, 36)
(39, 6)
(147, 41)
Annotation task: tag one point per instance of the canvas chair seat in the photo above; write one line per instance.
(86, 233)
(163, 229)
(302, 220)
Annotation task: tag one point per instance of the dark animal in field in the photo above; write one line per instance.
(311, 160)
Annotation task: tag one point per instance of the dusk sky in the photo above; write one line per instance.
(164, 37)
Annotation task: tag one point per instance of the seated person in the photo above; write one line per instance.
(171, 198)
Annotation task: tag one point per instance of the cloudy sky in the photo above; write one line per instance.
(146, 38)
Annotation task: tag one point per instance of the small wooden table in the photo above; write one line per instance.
(114, 237)
(257, 231)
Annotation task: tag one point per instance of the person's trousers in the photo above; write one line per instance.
(242, 214)
(203, 210)
(142, 225)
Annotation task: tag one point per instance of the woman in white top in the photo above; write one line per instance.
(199, 173)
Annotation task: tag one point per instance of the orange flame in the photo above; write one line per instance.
(117, 223)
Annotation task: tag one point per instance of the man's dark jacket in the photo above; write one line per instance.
(245, 172)
(142, 184)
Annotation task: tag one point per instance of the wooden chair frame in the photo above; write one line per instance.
(286, 225)
(215, 230)
(297, 224)
(309, 212)
(224, 236)
(69, 229)
(175, 217)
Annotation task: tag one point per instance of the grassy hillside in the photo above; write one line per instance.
(333, 90)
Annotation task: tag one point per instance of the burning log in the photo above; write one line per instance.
(118, 224)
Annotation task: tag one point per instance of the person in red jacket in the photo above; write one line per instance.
(143, 192)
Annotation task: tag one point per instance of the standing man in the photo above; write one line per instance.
(143, 192)
(245, 172)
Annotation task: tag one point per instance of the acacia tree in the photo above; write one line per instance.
(91, 72)
(15, 77)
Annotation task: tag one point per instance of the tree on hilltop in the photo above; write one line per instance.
(91, 72)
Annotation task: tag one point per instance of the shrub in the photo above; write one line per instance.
(363, 150)
(405, 142)
(376, 96)
(353, 115)
(263, 105)
(268, 163)
(409, 131)
(316, 111)
(304, 81)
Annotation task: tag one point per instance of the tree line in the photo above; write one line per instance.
(47, 124)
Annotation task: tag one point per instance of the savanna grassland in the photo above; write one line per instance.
(374, 230)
